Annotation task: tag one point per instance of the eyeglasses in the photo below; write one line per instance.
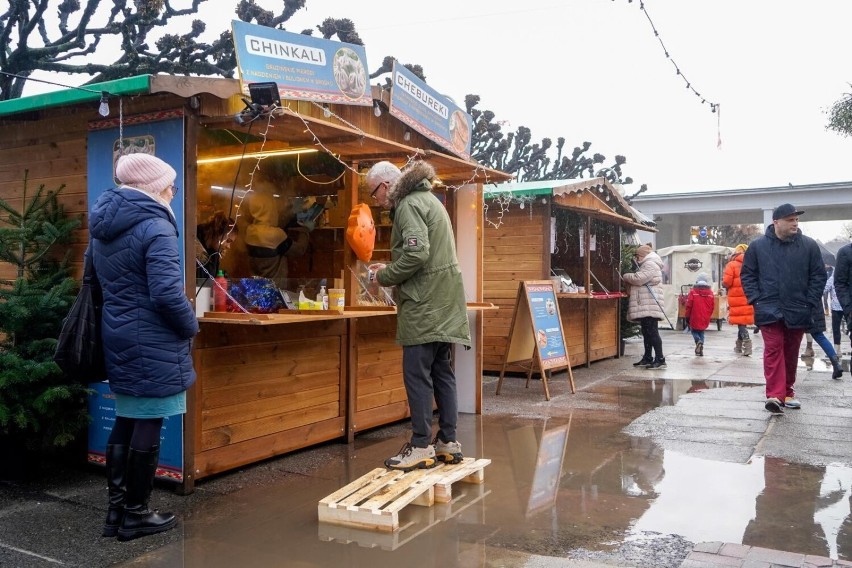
(174, 189)
(373, 194)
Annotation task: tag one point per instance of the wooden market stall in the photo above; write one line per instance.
(267, 383)
(534, 230)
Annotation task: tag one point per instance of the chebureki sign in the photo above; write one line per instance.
(304, 67)
(429, 112)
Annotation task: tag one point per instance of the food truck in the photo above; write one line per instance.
(681, 266)
(269, 381)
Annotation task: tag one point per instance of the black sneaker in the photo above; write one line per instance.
(774, 406)
(643, 362)
(658, 364)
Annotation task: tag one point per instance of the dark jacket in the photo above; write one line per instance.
(148, 322)
(430, 292)
(843, 279)
(783, 280)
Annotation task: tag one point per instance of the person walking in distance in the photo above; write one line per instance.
(147, 328)
(843, 282)
(699, 308)
(836, 310)
(431, 307)
(644, 304)
(740, 312)
(783, 277)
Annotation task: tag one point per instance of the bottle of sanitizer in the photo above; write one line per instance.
(322, 296)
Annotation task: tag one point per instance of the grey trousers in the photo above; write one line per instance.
(427, 373)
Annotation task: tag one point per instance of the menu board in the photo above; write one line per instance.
(537, 311)
(536, 333)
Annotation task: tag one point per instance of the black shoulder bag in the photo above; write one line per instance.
(79, 352)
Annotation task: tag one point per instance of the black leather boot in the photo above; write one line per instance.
(138, 519)
(838, 368)
(116, 470)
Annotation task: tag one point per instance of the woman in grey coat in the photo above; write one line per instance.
(645, 304)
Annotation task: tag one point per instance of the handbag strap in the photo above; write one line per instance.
(90, 277)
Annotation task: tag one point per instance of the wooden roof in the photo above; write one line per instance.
(595, 197)
(351, 132)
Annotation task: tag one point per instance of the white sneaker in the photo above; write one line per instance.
(411, 457)
(448, 452)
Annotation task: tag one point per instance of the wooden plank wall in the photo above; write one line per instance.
(54, 153)
(574, 313)
(379, 390)
(264, 391)
(52, 145)
(603, 328)
(513, 252)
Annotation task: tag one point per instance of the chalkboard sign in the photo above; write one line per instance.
(536, 333)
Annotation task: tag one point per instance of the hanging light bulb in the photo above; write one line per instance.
(377, 110)
(406, 136)
(326, 112)
(103, 109)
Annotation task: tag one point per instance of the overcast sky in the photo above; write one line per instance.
(592, 70)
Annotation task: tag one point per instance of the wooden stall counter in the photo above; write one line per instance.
(269, 384)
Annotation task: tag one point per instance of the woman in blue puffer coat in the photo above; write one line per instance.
(147, 329)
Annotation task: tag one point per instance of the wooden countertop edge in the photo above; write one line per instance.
(302, 316)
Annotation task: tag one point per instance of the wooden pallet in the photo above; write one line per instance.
(373, 501)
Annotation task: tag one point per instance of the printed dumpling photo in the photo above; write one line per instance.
(349, 73)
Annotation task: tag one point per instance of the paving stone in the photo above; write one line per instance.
(715, 559)
(689, 563)
(755, 564)
(817, 561)
(735, 550)
(712, 547)
(776, 557)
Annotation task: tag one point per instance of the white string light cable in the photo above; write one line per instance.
(503, 200)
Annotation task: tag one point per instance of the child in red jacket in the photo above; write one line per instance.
(699, 307)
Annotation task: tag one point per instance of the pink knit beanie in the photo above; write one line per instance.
(145, 172)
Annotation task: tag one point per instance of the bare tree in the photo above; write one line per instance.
(516, 153)
(28, 43)
(727, 235)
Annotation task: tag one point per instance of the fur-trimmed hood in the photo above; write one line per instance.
(419, 176)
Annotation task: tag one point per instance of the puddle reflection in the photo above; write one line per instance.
(555, 485)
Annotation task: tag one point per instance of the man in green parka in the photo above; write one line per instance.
(431, 307)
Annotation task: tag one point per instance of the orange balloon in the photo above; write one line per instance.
(361, 232)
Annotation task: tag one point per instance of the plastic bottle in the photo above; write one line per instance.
(322, 296)
(220, 297)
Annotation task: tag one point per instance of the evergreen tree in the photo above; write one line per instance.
(37, 403)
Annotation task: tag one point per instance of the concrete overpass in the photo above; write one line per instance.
(675, 213)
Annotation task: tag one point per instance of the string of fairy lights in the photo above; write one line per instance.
(714, 107)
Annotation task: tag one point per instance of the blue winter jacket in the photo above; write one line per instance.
(148, 322)
(784, 280)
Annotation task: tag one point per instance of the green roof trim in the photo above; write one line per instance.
(73, 95)
(492, 192)
(524, 188)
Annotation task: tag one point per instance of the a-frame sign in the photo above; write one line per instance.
(536, 334)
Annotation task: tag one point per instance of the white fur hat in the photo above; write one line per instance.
(145, 172)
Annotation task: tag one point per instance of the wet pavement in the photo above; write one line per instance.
(666, 468)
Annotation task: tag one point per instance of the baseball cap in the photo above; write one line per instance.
(785, 211)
